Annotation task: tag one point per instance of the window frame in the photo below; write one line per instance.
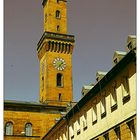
(71, 130)
(78, 130)
(84, 120)
(94, 114)
(28, 130)
(113, 97)
(58, 14)
(59, 80)
(103, 105)
(125, 89)
(9, 129)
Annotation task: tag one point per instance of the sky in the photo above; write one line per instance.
(100, 27)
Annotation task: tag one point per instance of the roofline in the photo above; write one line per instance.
(10, 105)
(101, 84)
(61, 119)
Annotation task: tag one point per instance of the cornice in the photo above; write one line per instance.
(55, 36)
(31, 107)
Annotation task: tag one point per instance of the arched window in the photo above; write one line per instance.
(28, 129)
(9, 128)
(59, 80)
(57, 14)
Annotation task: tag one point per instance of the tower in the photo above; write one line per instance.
(54, 51)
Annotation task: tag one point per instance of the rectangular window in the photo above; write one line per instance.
(94, 114)
(71, 130)
(113, 97)
(84, 120)
(60, 97)
(125, 89)
(103, 107)
(78, 126)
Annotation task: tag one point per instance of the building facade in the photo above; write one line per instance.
(31, 121)
(108, 110)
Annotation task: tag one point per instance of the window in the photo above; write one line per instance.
(106, 136)
(59, 80)
(130, 46)
(103, 107)
(84, 120)
(60, 97)
(71, 132)
(115, 61)
(28, 129)
(58, 1)
(118, 133)
(125, 89)
(9, 128)
(113, 97)
(132, 129)
(57, 14)
(78, 126)
(94, 114)
(58, 28)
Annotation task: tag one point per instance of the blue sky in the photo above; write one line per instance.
(100, 28)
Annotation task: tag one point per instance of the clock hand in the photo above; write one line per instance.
(61, 64)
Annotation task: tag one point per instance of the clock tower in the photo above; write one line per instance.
(54, 51)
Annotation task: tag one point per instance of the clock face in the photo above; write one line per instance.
(59, 63)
